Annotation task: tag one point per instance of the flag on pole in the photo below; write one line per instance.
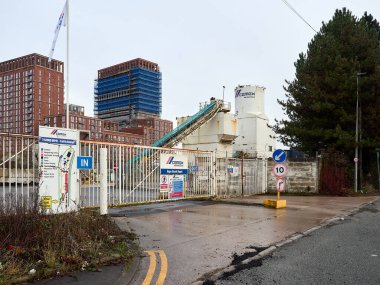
(61, 22)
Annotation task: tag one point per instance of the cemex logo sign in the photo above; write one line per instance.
(238, 93)
(57, 133)
(173, 164)
(177, 163)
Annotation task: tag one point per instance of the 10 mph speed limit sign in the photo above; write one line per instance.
(280, 170)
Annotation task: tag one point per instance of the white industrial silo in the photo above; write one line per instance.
(255, 138)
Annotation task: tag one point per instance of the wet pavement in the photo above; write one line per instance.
(345, 252)
(201, 236)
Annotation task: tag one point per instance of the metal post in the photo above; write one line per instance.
(103, 182)
(224, 87)
(357, 133)
(242, 175)
(119, 178)
(67, 67)
(378, 166)
(215, 180)
(357, 130)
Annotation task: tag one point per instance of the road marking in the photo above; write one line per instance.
(164, 268)
(152, 267)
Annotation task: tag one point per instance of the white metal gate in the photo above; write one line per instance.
(134, 174)
(235, 176)
(19, 175)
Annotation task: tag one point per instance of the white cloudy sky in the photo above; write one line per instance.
(200, 45)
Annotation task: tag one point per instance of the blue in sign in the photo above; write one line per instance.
(193, 168)
(84, 162)
(279, 155)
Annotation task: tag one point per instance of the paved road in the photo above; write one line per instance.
(347, 252)
(199, 237)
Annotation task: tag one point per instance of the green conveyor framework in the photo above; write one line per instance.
(179, 133)
(190, 125)
(186, 128)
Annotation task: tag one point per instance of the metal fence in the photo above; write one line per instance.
(241, 176)
(134, 174)
(19, 175)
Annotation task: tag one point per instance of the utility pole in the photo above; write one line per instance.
(356, 159)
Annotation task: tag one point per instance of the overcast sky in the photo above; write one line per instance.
(200, 45)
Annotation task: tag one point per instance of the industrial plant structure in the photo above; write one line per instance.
(255, 138)
(245, 134)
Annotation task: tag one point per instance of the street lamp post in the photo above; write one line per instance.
(224, 87)
(356, 159)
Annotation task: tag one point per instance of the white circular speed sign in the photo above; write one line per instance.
(280, 170)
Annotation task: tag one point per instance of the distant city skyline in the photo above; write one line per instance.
(200, 46)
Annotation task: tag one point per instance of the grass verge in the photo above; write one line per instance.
(35, 246)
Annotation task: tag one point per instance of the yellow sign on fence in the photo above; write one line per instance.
(46, 202)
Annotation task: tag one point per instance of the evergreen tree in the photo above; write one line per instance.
(321, 100)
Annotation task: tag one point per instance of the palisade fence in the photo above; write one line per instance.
(133, 173)
(19, 175)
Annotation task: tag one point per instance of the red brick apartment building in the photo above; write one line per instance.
(30, 89)
(93, 128)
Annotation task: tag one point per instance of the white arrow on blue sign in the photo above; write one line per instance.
(84, 162)
(279, 155)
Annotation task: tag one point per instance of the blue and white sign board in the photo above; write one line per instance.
(233, 170)
(173, 164)
(59, 187)
(177, 187)
(193, 168)
(279, 155)
(84, 162)
(173, 170)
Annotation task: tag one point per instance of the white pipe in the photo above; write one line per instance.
(103, 182)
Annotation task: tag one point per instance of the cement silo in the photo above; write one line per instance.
(255, 138)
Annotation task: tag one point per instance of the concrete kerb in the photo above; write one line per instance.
(128, 275)
(282, 243)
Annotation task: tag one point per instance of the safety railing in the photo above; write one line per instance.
(134, 174)
(19, 176)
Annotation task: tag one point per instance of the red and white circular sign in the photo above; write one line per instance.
(280, 169)
(280, 185)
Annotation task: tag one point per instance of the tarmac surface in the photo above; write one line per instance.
(345, 252)
(199, 238)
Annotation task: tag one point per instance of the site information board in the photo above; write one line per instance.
(59, 187)
(173, 171)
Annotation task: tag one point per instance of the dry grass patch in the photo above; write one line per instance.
(55, 244)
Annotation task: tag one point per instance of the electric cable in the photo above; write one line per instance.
(298, 14)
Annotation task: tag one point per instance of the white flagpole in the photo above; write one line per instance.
(67, 65)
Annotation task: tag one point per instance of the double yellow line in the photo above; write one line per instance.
(152, 267)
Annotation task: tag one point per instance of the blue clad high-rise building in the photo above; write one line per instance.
(128, 91)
